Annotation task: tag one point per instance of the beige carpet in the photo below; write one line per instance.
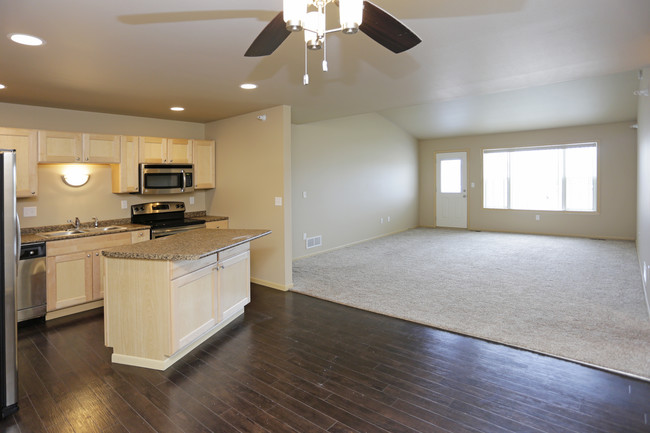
(579, 299)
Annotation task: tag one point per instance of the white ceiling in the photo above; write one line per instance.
(483, 65)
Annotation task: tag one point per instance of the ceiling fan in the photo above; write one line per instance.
(310, 16)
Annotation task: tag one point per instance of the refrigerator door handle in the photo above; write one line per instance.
(19, 242)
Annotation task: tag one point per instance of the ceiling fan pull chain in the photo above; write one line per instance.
(324, 41)
(305, 78)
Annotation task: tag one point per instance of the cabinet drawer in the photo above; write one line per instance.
(234, 251)
(184, 267)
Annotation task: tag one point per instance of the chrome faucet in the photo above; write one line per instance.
(96, 221)
(76, 222)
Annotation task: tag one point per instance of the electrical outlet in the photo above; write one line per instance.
(278, 201)
(304, 236)
(29, 211)
(192, 199)
(304, 194)
(536, 217)
(123, 203)
(388, 219)
(381, 220)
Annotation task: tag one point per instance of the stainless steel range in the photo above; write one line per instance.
(165, 218)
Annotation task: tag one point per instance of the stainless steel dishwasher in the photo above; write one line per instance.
(30, 292)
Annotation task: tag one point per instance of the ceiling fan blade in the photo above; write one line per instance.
(385, 29)
(270, 38)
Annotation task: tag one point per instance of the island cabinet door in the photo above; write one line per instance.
(193, 306)
(234, 284)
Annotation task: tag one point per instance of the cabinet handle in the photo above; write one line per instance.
(77, 159)
(88, 255)
(96, 254)
(33, 192)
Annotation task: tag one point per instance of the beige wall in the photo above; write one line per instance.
(253, 168)
(354, 171)
(57, 202)
(643, 200)
(617, 182)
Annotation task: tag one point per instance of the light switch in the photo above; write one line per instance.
(473, 185)
(278, 201)
(29, 211)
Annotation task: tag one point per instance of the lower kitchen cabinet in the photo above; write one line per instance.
(156, 310)
(221, 224)
(194, 301)
(73, 268)
(233, 284)
(69, 280)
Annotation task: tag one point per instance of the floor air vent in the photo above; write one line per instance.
(316, 241)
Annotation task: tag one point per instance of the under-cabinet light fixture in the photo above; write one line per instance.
(75, 176)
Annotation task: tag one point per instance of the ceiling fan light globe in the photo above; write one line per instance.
(293, 13)
(350, 15)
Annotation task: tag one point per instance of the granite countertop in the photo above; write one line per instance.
(200, 215)
(35, 234)
(32, 235)
(191, 245)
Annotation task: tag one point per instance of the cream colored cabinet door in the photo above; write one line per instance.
(204, 164)
(101, 148)
(69, 280)
(25, 143)
(124, 176)
(153, 150)
(223, 224)
(193, 306)
(140, 236)
(179, 151)
(233, 286)
(58, 146)
(97, 288)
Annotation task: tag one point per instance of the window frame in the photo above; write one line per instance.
(596, 179)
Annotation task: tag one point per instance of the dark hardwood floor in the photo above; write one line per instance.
(298, 364)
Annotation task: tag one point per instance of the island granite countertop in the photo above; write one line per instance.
(191, 245)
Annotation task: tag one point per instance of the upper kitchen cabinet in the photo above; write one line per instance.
(204, 163)
(25, 143)
(66, 147)
(125, 174)
(101, 148)
(158, 150)
(179, 151)
(57, 146)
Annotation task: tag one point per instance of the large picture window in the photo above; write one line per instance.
(555, 178)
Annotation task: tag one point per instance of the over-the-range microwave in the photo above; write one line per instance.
(166, 178)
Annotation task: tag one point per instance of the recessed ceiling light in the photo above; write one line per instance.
(23, 39)
(248, 86)
(177, 109)
(2, 86)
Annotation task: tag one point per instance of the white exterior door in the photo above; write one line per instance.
(451, 190)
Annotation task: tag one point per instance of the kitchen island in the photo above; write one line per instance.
(164, 297)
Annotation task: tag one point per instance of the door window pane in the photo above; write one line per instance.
(450, 176)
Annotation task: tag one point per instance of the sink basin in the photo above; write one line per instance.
(105, 229)
(63, 233)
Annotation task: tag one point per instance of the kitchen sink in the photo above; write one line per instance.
(63, 233)
(104, 229)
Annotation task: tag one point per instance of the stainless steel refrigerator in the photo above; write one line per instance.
(10, 233)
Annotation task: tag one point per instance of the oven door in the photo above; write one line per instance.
(166, 178)
(168, 231)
